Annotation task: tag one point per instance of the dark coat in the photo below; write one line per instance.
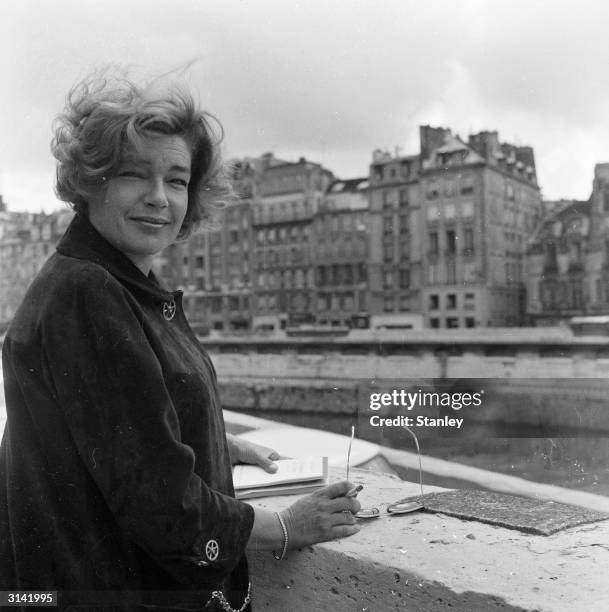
(114, 466)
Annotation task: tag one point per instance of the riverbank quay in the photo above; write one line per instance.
(428, 562)
(448, 353)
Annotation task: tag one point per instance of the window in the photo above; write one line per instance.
(404, 303)
(434, 301)
(551, 261)
(335, 278)
(404, 277)
(233, 303)
(450, 211)
(467, 209)
(433, 274)
(451, 301)
(434, 323)
(468, 237)
(388, 224)
(452, 322)
(348, 274)
(216, 304)
(404, 249)
(433, 243)
(467, 185)
(388, 280)
(299, 278)
(433, 191)
(388, 304)
(405, 166)
(606, 199)
(388, 252)
(451, 242)
(362, 273)
(451, 272)
(378, 172)
(469, 301)
(403, 198)
(470, 322)
(403, 222)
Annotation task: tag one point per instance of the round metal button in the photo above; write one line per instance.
(169, 310)
(212, 550)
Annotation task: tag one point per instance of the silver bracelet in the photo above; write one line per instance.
(219, 595)
(285, 539)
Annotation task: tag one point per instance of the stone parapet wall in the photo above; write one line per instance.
(429, 562)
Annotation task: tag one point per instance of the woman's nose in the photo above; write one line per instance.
(156, 195)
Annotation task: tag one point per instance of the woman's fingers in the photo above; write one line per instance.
(343, 531)
(337, 489)
(340, 504)
(256, 454)
(344, 518)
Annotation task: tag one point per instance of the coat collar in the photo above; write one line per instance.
(83, 241)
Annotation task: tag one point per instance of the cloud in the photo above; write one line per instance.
(330, 80)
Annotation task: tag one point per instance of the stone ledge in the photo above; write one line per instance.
(430, 562)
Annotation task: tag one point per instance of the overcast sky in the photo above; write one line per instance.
(330, 80)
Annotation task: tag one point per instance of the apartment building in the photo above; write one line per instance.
(289, 196)
(27, 240)
(479, 204)
(568, 258)
(395, 273)
(340, 254)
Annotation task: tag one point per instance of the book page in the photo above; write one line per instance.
(288, 470)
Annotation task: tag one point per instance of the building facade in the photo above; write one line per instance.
(27, 240)
(289, 196)
(568, 258)
(340, 255)
(479, 204)
(395, 265)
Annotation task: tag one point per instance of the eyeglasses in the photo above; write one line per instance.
(402, 506)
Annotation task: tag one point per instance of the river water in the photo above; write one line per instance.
(580, 463)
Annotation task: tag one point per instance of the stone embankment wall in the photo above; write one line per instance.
(525, 388)
(431, 363)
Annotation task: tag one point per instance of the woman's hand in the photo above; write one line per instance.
(242, 451)
(324, 515)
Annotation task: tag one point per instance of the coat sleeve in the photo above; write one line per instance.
(110, 388)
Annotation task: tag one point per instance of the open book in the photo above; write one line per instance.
(292, 476)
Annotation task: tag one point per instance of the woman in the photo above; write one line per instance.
(115, 469)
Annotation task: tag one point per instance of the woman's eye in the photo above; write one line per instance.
(130, 174)
(179, 182)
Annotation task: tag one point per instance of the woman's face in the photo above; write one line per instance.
(141, 210)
